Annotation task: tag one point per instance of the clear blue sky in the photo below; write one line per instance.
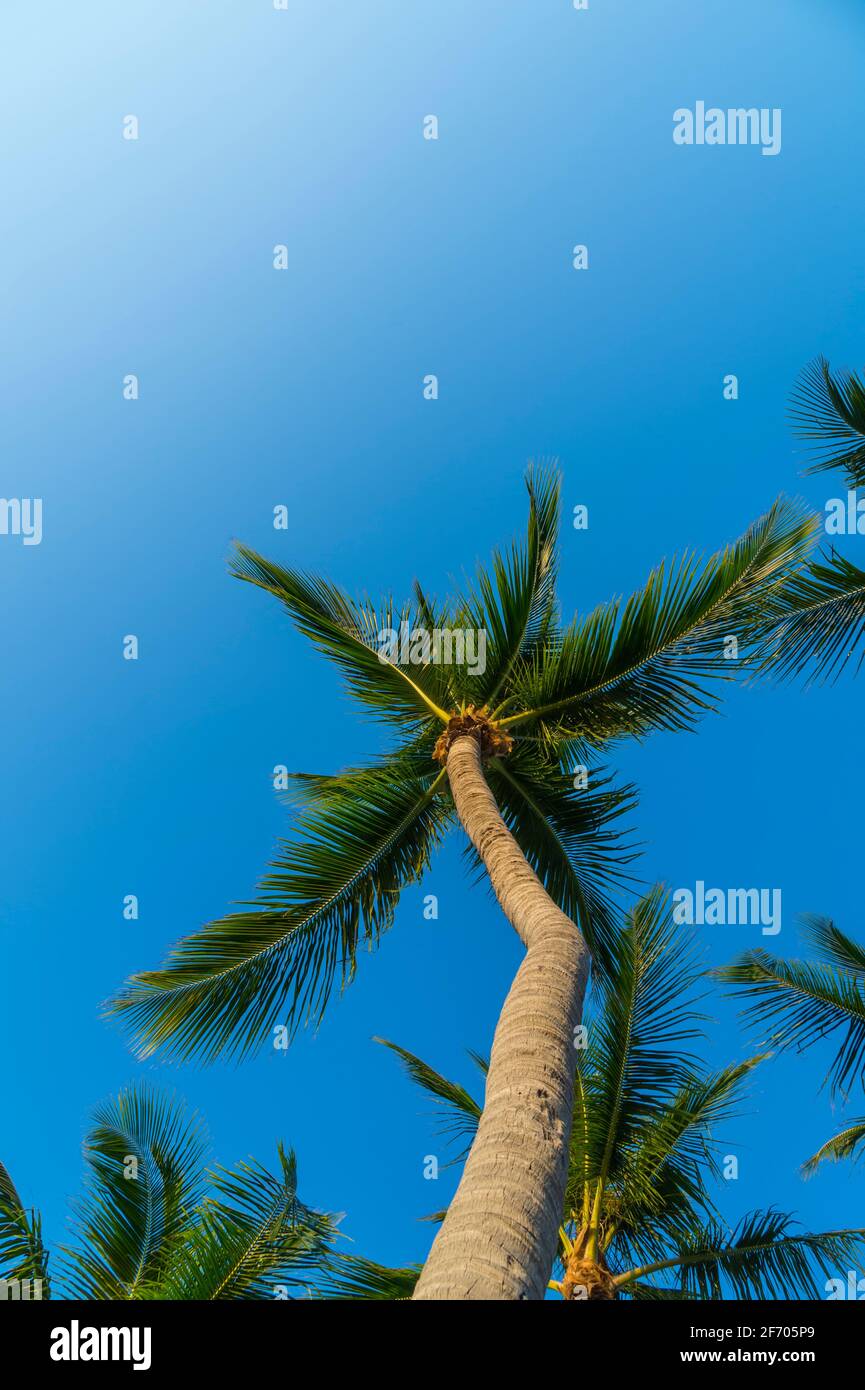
(406, 257)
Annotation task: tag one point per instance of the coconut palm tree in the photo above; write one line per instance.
(798, 1003)
(493, 745)
(823, 623)
(155, 1223)
(639, 1220)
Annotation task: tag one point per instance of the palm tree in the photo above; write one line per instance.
(797, 1003)
(823, 622)
(494, 746)
(154, 1223)
(638, 1220)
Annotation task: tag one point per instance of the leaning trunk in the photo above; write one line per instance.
(498, 1239)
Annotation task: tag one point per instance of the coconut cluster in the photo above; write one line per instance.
(474, 723)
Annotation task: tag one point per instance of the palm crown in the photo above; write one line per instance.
(155, 1223)
(639, 1220)
(549, 698)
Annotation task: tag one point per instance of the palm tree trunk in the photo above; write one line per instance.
(498, 1240)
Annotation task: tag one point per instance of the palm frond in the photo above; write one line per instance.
(643, 666)
(482, 1063)
(145, 1154)
(797, 1003)
(637, 1060)
(828, 410)
(352, 1277)
(23, 1257)
(762, 1259)
(832, 944)
(516, 605)
(8, 1192)
(360, 841)
(662, 1176)
(254, 1240)
(653, 1293)
(817, 625)
(848, 1144)
(398, 690)
(459, 1111)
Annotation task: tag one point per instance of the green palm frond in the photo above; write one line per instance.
(516, 605)
(23, 1256)
(145, 1156)
(662, 1176)
(8, 1193)
(482, 1063)
(797, 1003)
(832, 945)
(641, 666)
(571, 838)
(255, 1240)
(459, 1112)
(352, 1277)
(350, 634)
(637, 1230)
(759, 1259)
(636, 1060)
(155, 1224)
(848, 1144)
(686, 1127)
(651, 1293)
(360, 840)
(817, 625)
(828, 410)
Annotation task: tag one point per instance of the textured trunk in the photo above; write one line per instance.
(498, 1240)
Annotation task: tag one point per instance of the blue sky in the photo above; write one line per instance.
(304, 388)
